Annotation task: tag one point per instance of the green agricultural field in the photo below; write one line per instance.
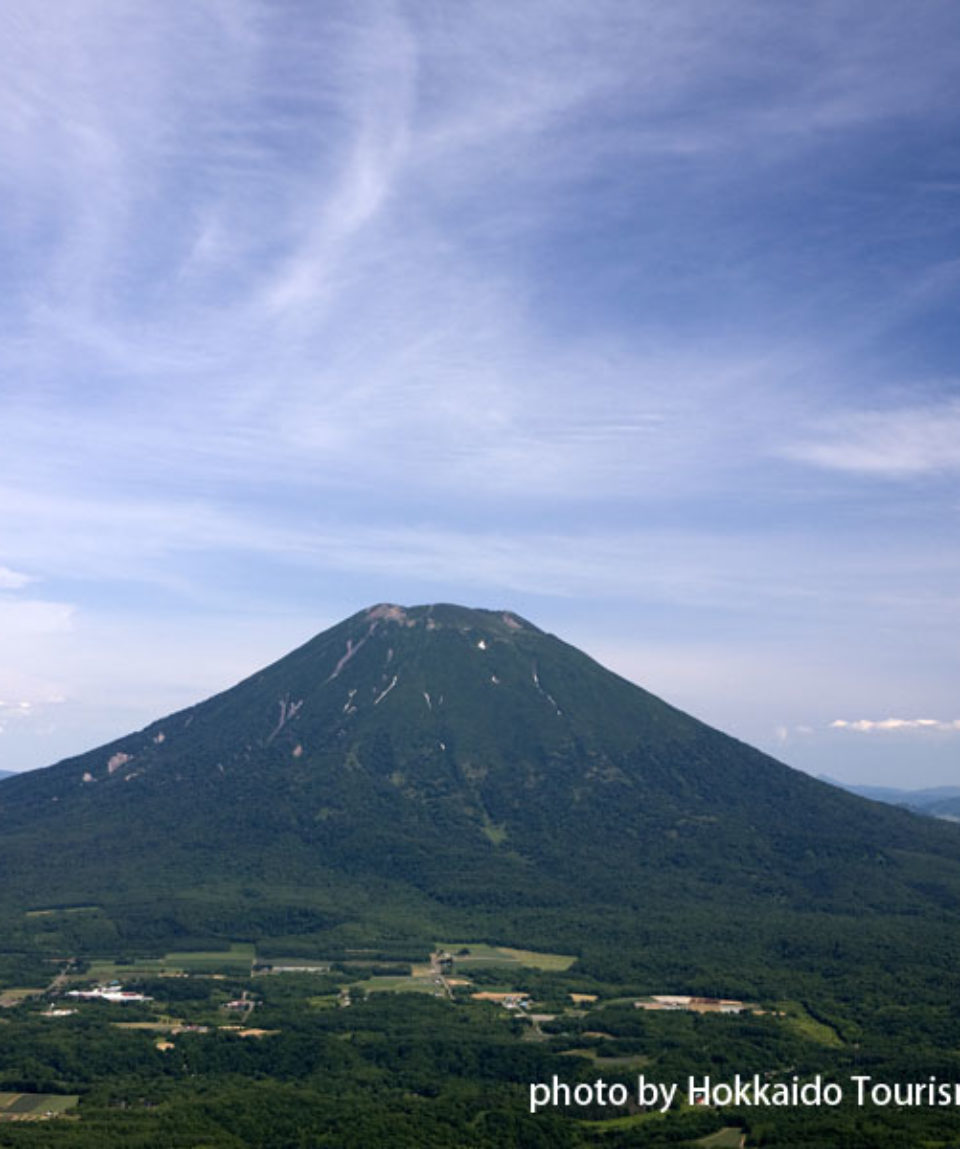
(238, 959)
(35, 1106)
(102, 971)
(298, 964)
(804, 1025)
(481, 954)
(17, 994)
(609, 1125)
(544, 961)
(614, 1064)
(324, 1001)
(729, 1138)
(399, 985)
(399, 1052)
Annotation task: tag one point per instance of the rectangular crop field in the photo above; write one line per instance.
(399, 985)
(544, 961)
(20, 1106)
(19, 993)
(299, 964)
(481, 954)
(729, 1138)
(237, 960)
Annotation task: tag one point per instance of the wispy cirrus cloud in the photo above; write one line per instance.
(897, 443)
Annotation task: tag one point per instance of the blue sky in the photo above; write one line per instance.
(639, 319)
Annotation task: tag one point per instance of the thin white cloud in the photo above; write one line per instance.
(892, 444)
(896, 725)
(13, 580)
(377, 77)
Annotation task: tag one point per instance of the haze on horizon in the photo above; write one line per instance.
(638, 320)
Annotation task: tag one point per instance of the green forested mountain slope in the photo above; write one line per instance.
(413, 771)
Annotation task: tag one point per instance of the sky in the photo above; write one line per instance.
(636, 318)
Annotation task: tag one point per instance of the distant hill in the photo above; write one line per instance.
(437, 771)
(936, 801)
(6, 774)
(948, 809)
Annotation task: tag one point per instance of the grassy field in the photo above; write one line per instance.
(398, 985)
(630, 1121)
(626, 1062)
(481, 954)
(299, 963)
(236, 960)
(324, 1001)
(801, 1022)
(35, 1106)
(111, 971)
(545, 961)
(20, 993)
(729, 1138)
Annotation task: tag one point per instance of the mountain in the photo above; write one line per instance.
(415, 773)
(947, 807)
(5, 774)
(936, 801)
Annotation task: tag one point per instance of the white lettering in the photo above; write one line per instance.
(832, 1093)
(655, 1094)
(698, 1094)
(861, 1083)
(557, 1093)
(539, 1095)
(880, 1093)
(618, 1095)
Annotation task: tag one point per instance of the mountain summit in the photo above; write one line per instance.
(418, 769)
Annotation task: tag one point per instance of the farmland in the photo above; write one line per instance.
(237, 959)
(340, 1049)
(476, 954)
(35, 1106)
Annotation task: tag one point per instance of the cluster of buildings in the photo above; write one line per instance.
(507, 1000)
(674, 1001)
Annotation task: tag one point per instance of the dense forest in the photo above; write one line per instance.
(284, 1059)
